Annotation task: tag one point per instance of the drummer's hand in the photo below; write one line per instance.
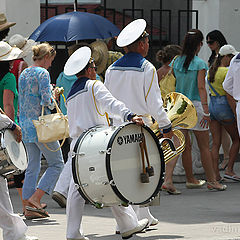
(168, 135)
(18, 133)
(138, 120)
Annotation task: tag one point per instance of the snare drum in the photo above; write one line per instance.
(13, 155)
(107, 165)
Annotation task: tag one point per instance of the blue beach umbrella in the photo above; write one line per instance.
(74, 26)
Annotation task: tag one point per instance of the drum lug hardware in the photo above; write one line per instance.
(81, 154)
(91, 169)
(77, 186)
(108, 151)
(84, 185)
(98, 205)
(105, 183)
(112, 183)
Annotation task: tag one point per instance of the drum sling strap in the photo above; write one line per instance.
(146, 171)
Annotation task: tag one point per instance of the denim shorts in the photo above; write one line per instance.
(219, 109)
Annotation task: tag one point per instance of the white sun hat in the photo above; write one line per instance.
(22, 43)
(132, 32)
(227, 49)
(8, 53)
(77, 61)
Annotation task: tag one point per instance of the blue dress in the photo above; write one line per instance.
(34, 91)
(186, 81)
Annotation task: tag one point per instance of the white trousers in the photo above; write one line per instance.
(143, 212)
(124, 216)
(63, 182)
(13, 226)
(238, 115)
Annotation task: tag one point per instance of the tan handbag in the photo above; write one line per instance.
(52, 127)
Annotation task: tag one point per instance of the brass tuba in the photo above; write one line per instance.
(182, 113)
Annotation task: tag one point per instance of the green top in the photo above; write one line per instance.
(9, 82)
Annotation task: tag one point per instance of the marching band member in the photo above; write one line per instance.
(81, 100)
(13, 226)
(133, 80)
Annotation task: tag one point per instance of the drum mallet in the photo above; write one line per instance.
(149, 168)
(144, 175)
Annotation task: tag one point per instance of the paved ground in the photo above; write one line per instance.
(196, 214)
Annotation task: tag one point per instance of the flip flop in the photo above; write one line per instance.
(234, 177)
(170, 191)
(38, 210)
(31, 217)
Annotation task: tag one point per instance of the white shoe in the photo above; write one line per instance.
(141, 225)
(28, 238)
(154, 222)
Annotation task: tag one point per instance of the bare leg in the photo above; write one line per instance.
(215, 129)
(226, 144)
(187, 159)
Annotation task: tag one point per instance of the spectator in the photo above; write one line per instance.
(190, 71)
(35, 92)
(220, 111)
(4, 26)
(215, 41)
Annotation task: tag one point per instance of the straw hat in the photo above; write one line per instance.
(132, 32)
(100, 55)
(77, 61)
(22, 43)
(8, 53)
(3, 22)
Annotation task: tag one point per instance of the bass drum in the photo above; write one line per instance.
(13, 155)
(107, 165)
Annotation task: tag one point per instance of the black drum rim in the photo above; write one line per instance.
(109, 172)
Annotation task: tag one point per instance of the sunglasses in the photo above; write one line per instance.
(210, 42)
(95, 68)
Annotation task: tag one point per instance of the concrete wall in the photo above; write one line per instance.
(222, 15)
(26, 14)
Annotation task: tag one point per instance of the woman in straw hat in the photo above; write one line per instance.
(34, 92)
(13, 226)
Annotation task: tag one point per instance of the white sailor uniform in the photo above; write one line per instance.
(82, 115)
(13, 226)
(133, 80)
(231, 84)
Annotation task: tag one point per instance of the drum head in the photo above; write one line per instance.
(124, 165)
(15, 150)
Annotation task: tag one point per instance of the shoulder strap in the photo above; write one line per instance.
(210, 85)
(150, 85)
(94, 99)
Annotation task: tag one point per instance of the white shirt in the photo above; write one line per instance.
(231, 83)
(138, 88)
(81, 110)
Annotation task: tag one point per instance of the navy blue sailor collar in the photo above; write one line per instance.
(130, 61)
(78, 86)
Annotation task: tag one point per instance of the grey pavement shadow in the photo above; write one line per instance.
(135, 237)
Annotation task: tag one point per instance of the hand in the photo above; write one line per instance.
(18, 133)
(168, 135)
(204, 123)
(138, 120)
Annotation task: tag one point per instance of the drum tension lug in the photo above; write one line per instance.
(81, 154)
(98, 205)
(112, 183)
(108, 151)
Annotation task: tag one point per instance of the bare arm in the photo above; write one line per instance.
(232, 103)
(203, 96)
(8, 97)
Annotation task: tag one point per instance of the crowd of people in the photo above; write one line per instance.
(130, 88)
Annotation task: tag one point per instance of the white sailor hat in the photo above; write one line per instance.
(132, 32)
(77, 61)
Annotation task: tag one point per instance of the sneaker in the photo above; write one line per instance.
(60, 199)
(141, 225)
(28, 238)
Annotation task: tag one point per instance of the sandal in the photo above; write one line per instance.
(223, 164)
(212, 186)
(170, 191)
